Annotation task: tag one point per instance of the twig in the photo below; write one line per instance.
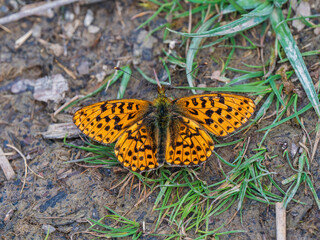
(316, 142)
(5, 29)
(115, 74)
(125, 179)
(233, 216)
(22, 39)
(29, 12)
(67, 71)
(281, 221)
(25, 166)
(141, 14)
(6, 167)
(246, 149)
(66, 104)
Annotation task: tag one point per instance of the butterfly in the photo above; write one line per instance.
(175, 132)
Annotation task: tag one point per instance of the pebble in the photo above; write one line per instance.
(302, 10)
(68, 16)
(50, 88)
(88, 18)
(201, 85)
(36, 31)
(83, 68)
(93, 29)
(49, 228)
(143, 47)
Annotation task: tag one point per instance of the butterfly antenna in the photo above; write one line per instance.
(131, 75)
(199, 66)
(157, 79)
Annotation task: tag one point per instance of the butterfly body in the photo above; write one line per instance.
(175, 132)
(163, 113)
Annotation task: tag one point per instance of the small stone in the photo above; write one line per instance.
(48, 228)
(18, 87)
(50, 88)
(36, 31)
(88, 18)
(294, 149)
(68, 16)
(55, 48)
(100, 76)
(4, 9)
(317, 31)
(71, 27)
(143, 47)
(83, 68)
(76, 9)
(302, 10)
(93, 29)
(14, 4)
(201, 85)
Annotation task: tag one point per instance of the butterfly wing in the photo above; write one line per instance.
(106, 121)
(219, 113)
(187, 143)
(136, 149)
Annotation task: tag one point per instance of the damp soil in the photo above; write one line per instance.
(64, 195)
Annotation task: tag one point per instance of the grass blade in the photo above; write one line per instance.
(250, 20)
(291, 49)
(195, 43)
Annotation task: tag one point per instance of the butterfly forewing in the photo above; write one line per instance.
(136, 149)
(187, 143)
(218, 113)
(106, 121)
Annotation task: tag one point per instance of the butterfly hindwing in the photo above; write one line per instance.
(219, 113)
(106, 121)
(187, 143)
(136, 149)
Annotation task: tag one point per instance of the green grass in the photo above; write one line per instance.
(183, 198)
(122, 227)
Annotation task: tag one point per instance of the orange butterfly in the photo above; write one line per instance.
(175, 132)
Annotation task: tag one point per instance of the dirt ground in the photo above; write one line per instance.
(65, 195)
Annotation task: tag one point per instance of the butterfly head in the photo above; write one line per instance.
(161, 91)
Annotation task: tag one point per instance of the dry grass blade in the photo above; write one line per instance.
(36, 10)
(26, 167)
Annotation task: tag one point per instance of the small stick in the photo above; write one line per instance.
(29, 12)
(316, 142)
(25, 166)
(281, 221)
(67, 71)
(22, 39)
(6, 167)
(66, 104)
(115, 68)
(5, 29)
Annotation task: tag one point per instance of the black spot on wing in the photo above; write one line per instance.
(194, 101)
(121, 105)
(130, 104)
(193, 111)
(209, 113)
(116, 119)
